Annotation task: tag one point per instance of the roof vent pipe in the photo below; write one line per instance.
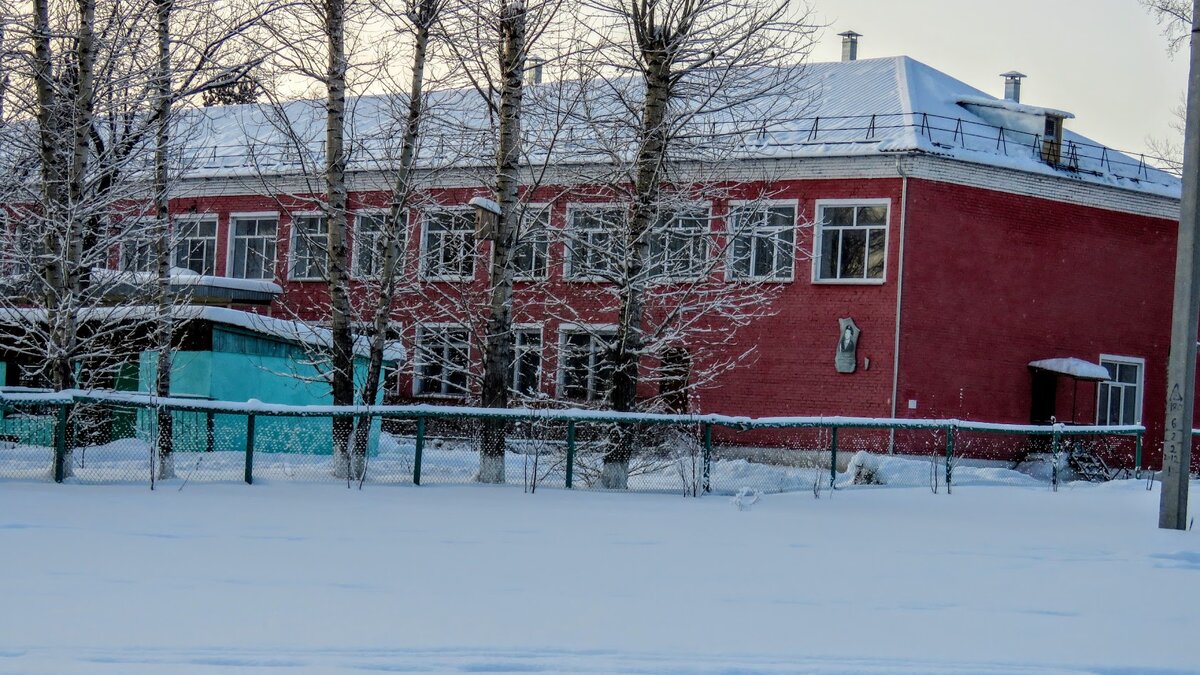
(849, 45)
(533, 70)
(1012, 85)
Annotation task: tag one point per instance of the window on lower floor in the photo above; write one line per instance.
(441, 361)
(527, 362)
(1121, 397)
(853, 241)
(586, 371)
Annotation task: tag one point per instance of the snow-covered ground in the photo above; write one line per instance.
(315, 578)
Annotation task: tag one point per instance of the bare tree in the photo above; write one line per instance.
(682, 85)
(1175, 18)
(419, 20)
(203, 53)
(103, 82)
(503, 34)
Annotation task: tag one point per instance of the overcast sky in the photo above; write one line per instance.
(1104, 60)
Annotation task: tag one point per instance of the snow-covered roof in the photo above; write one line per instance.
(855, 108)
(284, 329)
(184, 277)
(1076, 368)
(1013, 106)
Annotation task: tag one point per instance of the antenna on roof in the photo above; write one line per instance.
(849, 45)
(1012, 85)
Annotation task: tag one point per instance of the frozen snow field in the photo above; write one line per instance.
(306, 578)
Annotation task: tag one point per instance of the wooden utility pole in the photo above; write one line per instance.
(1181, 369)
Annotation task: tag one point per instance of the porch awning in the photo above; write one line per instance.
(1076, 368)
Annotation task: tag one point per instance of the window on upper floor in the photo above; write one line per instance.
(137, 249)
(309, 241)
(851, 241)
(1121, 397)
(196, 245)
(369, 239)
(594, 235)
(679, 245)
(763, 241)
(252, 247)
(448, 246)
(529, 256)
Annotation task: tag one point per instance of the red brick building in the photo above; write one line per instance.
(966, 236)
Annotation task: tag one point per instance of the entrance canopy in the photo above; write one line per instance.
(1072, 367)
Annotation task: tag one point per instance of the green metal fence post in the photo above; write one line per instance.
(1137, 456)
(833, 434)
(250, 449)
(950, 430)
(1054, 444)
(60, 443)
(210, 432)
(419, 450)
(570, 454)
(707, 456)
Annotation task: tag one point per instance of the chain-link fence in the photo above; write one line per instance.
(120, 437)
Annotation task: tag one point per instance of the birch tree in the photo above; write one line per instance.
(501, 36)
(698, 78)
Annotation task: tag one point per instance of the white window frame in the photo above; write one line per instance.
(418, 352)
(1140, 363)
(731, 235)
(819, 234)
(198, 218)
(529, 328)
(231, 240)
(293, 230)
(423, 265)
(130, 238)
(569, 236)
(564, 331)
(538, 210)
(355, 253)
(705, 211)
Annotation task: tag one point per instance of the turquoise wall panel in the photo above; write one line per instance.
(226, 376)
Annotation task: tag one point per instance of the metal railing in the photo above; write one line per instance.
(105, 437)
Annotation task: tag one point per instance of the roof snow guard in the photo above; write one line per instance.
(1072, 367)
(863, 107)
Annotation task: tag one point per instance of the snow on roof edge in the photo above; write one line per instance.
(1077, 368)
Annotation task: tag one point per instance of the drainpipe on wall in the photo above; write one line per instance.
(899, 299)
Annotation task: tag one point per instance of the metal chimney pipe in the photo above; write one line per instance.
(1012, 85)
(533, 71)
(849, 45)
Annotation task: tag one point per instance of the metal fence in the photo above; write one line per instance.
(109, 437)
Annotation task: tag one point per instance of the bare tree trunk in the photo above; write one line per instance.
(63, 127)
(396, 225)
(337, 269)
(628, 344)
(162, 227)
(498, 354)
